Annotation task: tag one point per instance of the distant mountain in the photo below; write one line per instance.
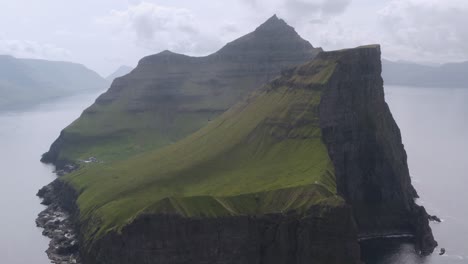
(449, 75)
(25, 82)
(121, 71)
(168, 95)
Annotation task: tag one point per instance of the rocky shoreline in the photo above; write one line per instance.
(372, 175)
(59, 226)
(59, 223)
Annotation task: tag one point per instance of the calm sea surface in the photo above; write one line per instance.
(24, 136)
(434, 125)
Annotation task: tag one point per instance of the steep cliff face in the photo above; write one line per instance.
(169, 95)
(325, 235)
(295, 173)
(365, 145)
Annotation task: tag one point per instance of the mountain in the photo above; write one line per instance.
(121, 71)
(169, 96)
(296, 172)
(27, 82)
(451, 75)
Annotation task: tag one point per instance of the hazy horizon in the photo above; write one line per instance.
(107, 34)
(288, 132)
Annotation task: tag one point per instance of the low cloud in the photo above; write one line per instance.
(415, 30)
(322, 8)
(335, 6)
(32, 49)
(156, 27)
(427, 29)
(316, 11)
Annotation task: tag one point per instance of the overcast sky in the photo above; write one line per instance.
(104, 34)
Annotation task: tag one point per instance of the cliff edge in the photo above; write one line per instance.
(297, 172)
(364, 142)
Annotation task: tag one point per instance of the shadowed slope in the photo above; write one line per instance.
(169, 95)
(270, 141)
(292, 174)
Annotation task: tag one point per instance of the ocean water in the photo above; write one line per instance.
(434, 128)
(24, 136)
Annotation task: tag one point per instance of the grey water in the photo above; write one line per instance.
(24, 136)
(434, 128)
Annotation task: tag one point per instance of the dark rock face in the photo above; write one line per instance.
(434, 218)
(52, 155)
(365, 145)
(259, 47)
(372, 175)
(59, 222)
(325, 235)
(168, 89)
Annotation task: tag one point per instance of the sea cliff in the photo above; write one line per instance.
(336, 172)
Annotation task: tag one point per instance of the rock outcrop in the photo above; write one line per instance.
(365, 145)
(60, 222)
(324, 235)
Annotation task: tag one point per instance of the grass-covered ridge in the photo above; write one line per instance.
(264, 155)
(169, 96)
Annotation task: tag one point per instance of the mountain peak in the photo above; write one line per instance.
(275, 23)
(166, 52)
(273, 19)
(163, 56)
(274, 36)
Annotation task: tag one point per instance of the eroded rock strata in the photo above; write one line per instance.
(365, 145)
(169, 96)
(324, 235)
(370, 168)
(59, 221)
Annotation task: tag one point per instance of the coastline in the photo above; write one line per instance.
(59, 224)
(380, 198)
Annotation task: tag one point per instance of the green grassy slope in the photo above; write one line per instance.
(169, 96)
(264, 155)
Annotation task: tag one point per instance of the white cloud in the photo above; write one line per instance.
(418, 30)
(426, 30)
(32, 49)
(158, 27)
(300, 10)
